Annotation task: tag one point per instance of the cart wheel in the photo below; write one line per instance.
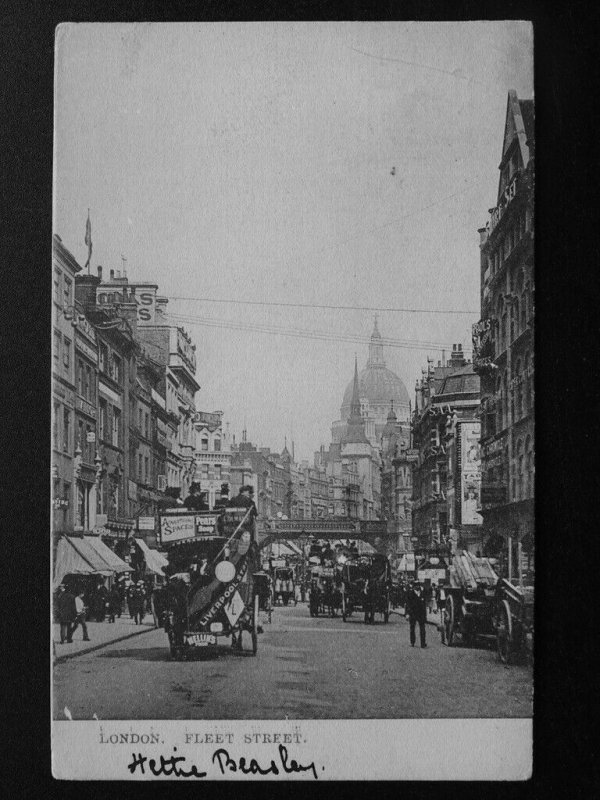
(504, 634)
(255, 626)
(449, 621)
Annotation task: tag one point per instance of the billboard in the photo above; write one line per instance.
(470, 479)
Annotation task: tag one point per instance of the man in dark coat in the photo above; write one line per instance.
(114, 603)
(65, 612)
(245, 499)
(416, 610)
(223, 500)
(195, 500)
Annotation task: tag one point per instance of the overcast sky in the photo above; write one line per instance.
(253, 162)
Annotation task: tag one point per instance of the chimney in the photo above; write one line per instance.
(112, 274)
(100, 272)
(119, 274)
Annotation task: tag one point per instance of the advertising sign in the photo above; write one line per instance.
(146, 524)
(206, 526)
(470, 473)
(173, 529)
(434, 575)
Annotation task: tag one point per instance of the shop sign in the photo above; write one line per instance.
(86, 329)
(90, 437)
(206, 526)
(434, 575)
(86, 350)
(470, 473)
(176, 528)
(146, 523)
(483, 343)
(85, 407)
(494, 447)
(412, 454)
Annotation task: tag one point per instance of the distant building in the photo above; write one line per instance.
(503, 350)
(212, 454)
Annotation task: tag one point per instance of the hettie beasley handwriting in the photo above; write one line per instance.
(174, 766)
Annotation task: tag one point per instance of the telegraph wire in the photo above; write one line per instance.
(324, 306)
(314, 335)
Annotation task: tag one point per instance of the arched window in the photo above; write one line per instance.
(529, 466)
(519, 391)
(499, 404)
(520, 470)
(526, 385)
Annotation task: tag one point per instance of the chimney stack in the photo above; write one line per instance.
(112, 274)
(100, 272)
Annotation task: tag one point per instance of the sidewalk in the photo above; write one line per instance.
(100, 633)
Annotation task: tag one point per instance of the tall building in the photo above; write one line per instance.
(446, 472)
(212, 454)
(396, 480)
(503, 350)
(64, 270)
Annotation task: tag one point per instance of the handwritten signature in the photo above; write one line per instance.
(173, 766)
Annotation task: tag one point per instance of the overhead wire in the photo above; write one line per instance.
(325, 306)
(324, 336)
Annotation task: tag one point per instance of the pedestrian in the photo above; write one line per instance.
(416, 610)
(66, 612)
(130, 598)
(114, 603)
(245, 499)
(100, 602)
(140, 603)
(81, 611)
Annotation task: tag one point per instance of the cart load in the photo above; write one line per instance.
(219, 555)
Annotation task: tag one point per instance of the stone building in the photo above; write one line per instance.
(503, 350)
(64, 271)
(446, 399)
(212, 453)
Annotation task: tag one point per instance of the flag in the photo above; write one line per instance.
(88, 239)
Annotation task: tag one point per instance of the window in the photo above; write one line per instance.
(67, 290)
(519, 391)
(217, 444)
(116, 427)
(204, 445)
(56, 294)
(57, 340)
(103, 430)
(87, 382)
(103, 356)
(115, 368)
(514, 320)
(140, 473)
(67, 352)
(66, 429)
(55, 426)
(80, 437)
(80, 377)
(529, 465)
(147, 426)
(140, 419)
(146, 470)
(520, 470)
(217, 472)
(88, 447)
(205, 471)
(526, 385)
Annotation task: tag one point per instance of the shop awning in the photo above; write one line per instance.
(115, 564)
(155, 561)
(77, 557)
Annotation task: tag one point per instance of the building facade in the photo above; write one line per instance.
(212, 454)
(503, 351)
(64, 271)
(446, 404)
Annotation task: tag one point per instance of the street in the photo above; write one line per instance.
(306, 668)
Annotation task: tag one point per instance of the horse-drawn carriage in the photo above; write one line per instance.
(365, 585)
(213, 591)
(325, 595)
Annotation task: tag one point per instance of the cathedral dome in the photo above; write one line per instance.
(377, 384)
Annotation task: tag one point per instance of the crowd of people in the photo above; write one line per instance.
(76, 604)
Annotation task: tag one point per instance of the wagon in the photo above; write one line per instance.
(222, 598)
(470, 601)
(514, 622)
(366, 586)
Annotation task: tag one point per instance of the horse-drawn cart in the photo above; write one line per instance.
(514, 622)
(469, 609)
(366, 586)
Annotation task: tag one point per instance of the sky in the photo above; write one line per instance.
(331, 164)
